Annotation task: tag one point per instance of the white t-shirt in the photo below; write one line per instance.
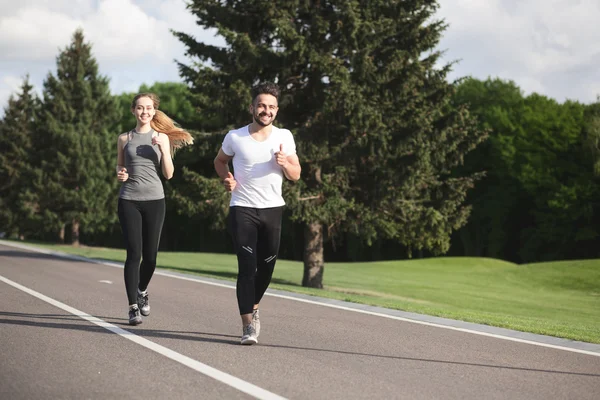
(259, 177)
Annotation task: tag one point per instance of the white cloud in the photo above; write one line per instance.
(536, 43)
(548, 46)
(71, 7)
(9, 85)
(120, 30)
(34, 34)
(131, 39)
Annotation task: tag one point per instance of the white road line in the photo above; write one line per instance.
(493, 335)
(336, 306)
(207, 370)
(395, 317)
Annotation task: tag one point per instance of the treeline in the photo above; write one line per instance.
(540, 199)
(396, 162)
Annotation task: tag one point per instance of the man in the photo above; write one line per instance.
(262, 155)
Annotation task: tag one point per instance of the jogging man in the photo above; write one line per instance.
(262, 155)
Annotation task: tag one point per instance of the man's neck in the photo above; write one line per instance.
(260, 132)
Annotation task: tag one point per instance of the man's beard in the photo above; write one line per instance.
(259, 122)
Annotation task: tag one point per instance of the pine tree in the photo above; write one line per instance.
(377, 135)
(16, 130)
(77, 152)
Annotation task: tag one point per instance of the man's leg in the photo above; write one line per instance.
(269, 237)
(243, 227)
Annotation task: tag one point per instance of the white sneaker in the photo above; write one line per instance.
(256, 322)
(143, 303)
(134, 316)
(249, 336)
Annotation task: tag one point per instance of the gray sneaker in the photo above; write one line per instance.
(256, 322)
(143, 304)
(249, 335)
(134, 316)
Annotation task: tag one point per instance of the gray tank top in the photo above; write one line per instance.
(142, 160)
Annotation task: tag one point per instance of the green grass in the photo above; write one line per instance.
(557, 298)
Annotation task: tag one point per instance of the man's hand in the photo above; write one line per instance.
(229, 182)
(281, 157)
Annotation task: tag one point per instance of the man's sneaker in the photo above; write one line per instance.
(143, 304)
(249, 335)
(134, 316)
(256, 322)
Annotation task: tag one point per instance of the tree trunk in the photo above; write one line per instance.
(313, 256)
(75, 232)
(61, 233)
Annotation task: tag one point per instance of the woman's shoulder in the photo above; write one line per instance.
(123, 138)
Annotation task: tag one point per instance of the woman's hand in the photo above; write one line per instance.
(162, 141)
(122, 175)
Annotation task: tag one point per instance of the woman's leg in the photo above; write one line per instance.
(131, 226)
(153, 217)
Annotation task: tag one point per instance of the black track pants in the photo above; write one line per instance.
(141, 224)
(256, 233)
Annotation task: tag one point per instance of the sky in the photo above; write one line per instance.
(551, 47)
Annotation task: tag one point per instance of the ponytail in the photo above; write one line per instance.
(178, 137)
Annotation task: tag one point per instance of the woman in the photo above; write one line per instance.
(141, 153)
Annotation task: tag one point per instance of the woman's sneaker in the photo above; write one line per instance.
(134, 316)
(249, 336)
(143, 304)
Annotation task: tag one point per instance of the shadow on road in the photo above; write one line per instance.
(425, 360)
(36, 256)
(27, 319)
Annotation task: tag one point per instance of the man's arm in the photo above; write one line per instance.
(222, 164)
(292, 169)
(290, 164)
(222, 167)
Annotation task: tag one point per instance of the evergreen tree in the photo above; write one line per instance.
(77, 183)
(16, 130)
(376, 134)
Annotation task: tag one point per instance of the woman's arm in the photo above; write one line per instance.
(122, 174)
(162, 140)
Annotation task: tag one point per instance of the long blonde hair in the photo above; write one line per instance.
(161, 122)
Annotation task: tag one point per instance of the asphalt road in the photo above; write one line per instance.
(64, 334)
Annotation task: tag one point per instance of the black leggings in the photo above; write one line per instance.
(141, 223)
(256, 233)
